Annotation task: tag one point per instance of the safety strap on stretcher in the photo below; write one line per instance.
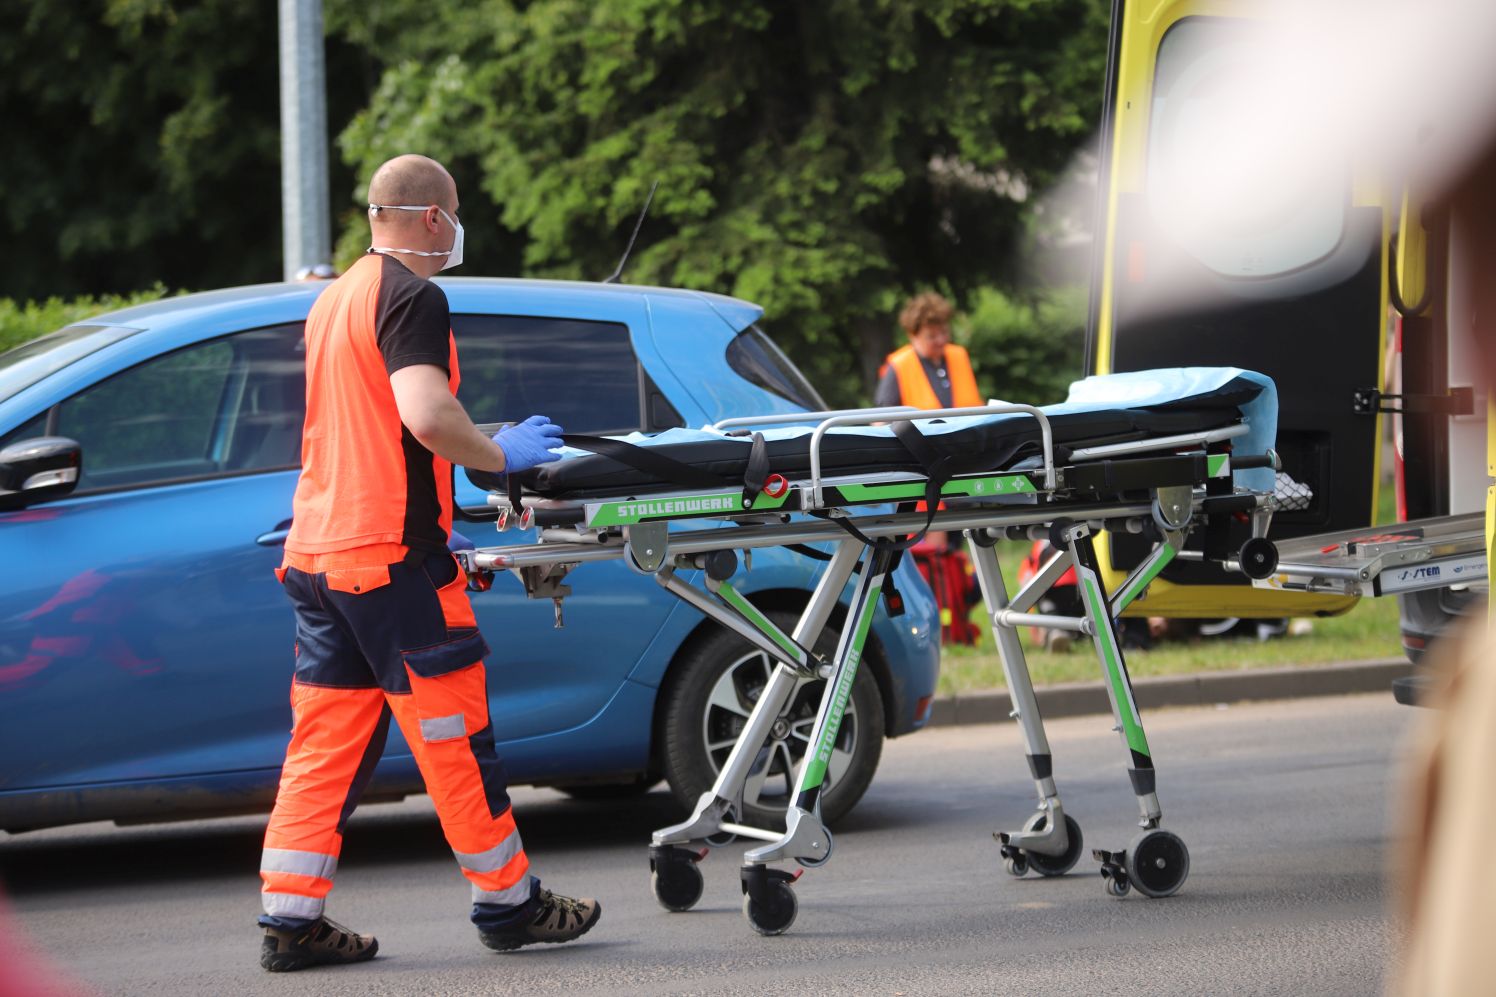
(649, 461)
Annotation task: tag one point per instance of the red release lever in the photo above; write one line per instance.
(775, 485)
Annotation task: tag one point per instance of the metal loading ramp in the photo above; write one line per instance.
(1385, 560)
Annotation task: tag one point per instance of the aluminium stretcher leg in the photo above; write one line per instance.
(1157, 861)
(1051, 840)
(768, 901)
(676, 880)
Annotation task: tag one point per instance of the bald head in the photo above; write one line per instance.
(413, 180)
(413, 213)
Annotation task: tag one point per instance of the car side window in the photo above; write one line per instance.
(30, 429)
(583, 375)
(227, 406)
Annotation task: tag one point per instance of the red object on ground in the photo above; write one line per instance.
(949, 574)
(1040, 552)
(23, 971)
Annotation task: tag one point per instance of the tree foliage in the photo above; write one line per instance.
(142, 143)
(820, 159)
(1026, 349)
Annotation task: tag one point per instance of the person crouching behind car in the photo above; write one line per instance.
(383, 623)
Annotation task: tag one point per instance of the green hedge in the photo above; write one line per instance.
(1026, 349)
(25, 320)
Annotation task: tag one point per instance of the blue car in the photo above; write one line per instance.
(146, 648)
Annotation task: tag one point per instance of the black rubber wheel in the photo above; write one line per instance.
(774, 916)
(611, 790)
(1055, 865)
(1258, 557)
(1158, 863)
(677, 885)
(708, 694)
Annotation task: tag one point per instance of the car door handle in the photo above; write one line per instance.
(275, 537)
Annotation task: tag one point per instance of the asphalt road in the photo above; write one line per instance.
(1284, 807)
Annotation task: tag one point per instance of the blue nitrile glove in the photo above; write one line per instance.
(528, 443)
(456, 542)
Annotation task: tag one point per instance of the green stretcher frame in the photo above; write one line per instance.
(1010, 505)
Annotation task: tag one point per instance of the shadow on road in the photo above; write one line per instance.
(102, 854)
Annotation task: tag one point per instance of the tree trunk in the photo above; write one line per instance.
(874, 343)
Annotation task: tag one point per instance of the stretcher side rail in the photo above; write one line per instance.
(867, 417)
(1102, 475)
(611, 546)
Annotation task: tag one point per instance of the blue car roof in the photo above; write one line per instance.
(274, 300)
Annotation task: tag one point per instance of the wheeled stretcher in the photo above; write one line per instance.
(1182, 457)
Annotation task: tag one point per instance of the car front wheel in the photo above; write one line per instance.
(714, 687)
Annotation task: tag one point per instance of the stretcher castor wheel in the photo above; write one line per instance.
(769, 901)
(1055, 865)
(1016, 864)
(674, 876)
(1258, 557)
(1113, 872)
(1157, 863)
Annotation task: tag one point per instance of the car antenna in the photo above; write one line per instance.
(612, 278)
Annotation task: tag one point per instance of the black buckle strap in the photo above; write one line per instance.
(757, 471)
(939, 467)
(645, 459)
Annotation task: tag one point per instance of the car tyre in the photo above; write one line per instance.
(707, 698)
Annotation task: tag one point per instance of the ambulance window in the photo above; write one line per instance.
(1238, 186)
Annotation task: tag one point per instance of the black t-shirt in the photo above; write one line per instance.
(411, 319)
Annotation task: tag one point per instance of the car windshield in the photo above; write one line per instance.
(757, 358)
(28, 363)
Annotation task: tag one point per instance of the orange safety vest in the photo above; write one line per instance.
(915, 388)
(365, 480)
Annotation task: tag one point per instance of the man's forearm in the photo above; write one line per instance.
(451, 435)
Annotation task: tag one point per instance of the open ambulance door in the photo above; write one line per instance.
(1443, 448)
(1294, 288)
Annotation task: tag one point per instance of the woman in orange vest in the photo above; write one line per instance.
(931, 372)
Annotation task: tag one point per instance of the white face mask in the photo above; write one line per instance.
(453, 255)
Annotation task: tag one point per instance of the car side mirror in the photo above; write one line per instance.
(38, 469)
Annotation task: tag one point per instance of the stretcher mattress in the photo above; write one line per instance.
(1100, 410)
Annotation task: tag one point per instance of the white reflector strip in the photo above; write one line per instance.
(291, 905)
(513, 897)
(298, 863)
(443, 728)
(492, 860)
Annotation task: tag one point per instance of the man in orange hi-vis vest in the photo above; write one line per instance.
(931, 372)
(383, 624)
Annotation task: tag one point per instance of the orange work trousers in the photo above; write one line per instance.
(375, 640)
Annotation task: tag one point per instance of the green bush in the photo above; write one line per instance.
(1026, 349)
(21, 321)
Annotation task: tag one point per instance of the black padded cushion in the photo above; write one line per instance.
(988, 446)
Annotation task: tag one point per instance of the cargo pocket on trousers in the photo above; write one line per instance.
(449, 688)
(358, 580)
